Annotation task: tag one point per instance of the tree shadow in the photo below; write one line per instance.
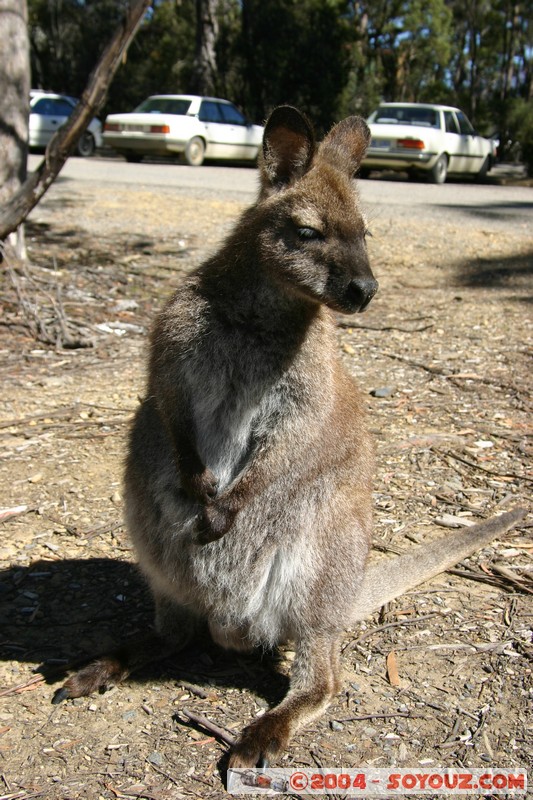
(511, 273)
(519, 210)
(60, 613)
(75, 238)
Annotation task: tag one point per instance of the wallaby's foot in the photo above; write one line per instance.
(175, 627)
(112, 669)
(98, 675)
(260, 743)
(314, 682)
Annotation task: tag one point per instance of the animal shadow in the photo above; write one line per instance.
(61, 614)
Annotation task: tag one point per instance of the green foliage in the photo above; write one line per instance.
(329, 57)
(296, 52)
(160, 58)
(66, 38)
(425, 51)
(491, 58)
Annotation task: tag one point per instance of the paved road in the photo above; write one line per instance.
(486, 205)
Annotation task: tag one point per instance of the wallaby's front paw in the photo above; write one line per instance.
(202, 486)
(216, 520)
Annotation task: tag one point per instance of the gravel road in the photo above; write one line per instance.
(507, 208)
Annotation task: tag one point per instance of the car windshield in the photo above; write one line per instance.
(406, 115)
(164, 105)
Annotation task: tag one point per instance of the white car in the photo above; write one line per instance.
(48, 112)
(197, 127)
(421, 138)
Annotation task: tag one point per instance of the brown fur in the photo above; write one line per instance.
(249, 474)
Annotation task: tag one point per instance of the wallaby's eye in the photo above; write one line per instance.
(309, 234)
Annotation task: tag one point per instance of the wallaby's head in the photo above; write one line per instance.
(313, 233)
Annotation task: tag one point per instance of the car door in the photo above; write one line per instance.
(238, 132)
(47, 116)
(215, 129)
(455, 145)
(226, 130)
(472, 146)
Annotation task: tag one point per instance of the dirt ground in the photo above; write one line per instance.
(442, 354)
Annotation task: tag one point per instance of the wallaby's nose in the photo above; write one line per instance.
(360, 292)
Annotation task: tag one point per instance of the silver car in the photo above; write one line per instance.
(49, 111)
(189, 125)
(434, 140)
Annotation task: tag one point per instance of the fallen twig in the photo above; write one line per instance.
(346, 324)
(216, 730)
(504, 575)
(14, 511)
(493, 472)
(196, 690)
(46, 322)
(63, 412)
(509, 576)
(481, 577)
(449, 374)
(27, 686)
(108, 528)
(398, 624)
(362, 717)
(420, 364)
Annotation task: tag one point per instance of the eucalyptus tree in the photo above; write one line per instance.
(14, 103)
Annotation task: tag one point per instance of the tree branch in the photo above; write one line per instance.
(63, 142)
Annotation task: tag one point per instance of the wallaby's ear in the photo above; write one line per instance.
(288, 147)
(346, 143)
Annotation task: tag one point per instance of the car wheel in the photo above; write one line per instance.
(133, 158)
(86, 145)
(482, 174)
(195, 152)
(437, 174)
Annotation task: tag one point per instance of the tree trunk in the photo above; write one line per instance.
(205, 65)
(64, 141)
(14, 105)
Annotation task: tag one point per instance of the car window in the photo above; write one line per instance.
(210, 112)
(451, 124)
(231, 115)
(164, 105)
(49, 107)
(408, 115)
(464, 123)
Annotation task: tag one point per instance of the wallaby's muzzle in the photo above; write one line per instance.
(360, 292)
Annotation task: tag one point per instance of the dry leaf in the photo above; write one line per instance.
(392, 669)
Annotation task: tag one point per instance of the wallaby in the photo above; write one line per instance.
(249, 474)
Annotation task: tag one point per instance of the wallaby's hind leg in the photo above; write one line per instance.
(174, 628)
(314, 682)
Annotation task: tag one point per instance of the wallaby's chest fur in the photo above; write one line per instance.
(247, 376)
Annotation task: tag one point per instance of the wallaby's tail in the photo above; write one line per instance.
(391, 577)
